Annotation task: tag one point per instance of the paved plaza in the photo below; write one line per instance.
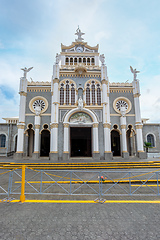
(33, 221)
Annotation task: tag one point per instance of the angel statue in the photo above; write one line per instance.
(79, 34)
(134, 71)
(58, 57)
(102, 58)
(26, 70)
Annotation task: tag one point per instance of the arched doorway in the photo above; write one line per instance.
(45, 143)
(115, 143)
(30, 140)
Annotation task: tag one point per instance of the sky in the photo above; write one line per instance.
(128, 34)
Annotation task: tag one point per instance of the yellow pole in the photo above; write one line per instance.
(22, 197)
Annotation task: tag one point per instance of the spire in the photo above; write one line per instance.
(79, 34)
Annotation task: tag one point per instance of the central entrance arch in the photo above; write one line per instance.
(115, 143)
(80, 141)
(80, 134)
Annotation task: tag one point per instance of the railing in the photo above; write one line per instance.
(27, 181)
(10, 153)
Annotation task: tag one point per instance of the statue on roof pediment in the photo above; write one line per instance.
(79, 34)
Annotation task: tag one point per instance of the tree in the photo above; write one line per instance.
(147, 145)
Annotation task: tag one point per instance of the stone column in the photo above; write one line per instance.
(107, 141)
(106, 113)
(54, 114)
(21, 124)
(66, 142)
(138, 123)
(125, 153)
(96, 155)
(37, 120)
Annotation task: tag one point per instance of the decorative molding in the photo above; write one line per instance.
(32, 83)
(65, 152)
(123, 126)
(37, 126)
(95, 151)
(23, 94)
(53, 151)
(95, 125)
(104, 81)
(136, 95)
(20, 126)
(54, 125)
(56, 80)
(139, 126)
(66, 125)
(118, 84)
(107, 125)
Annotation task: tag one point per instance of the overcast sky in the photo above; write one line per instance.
(128, 33)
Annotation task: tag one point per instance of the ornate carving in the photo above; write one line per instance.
(107, 125)
(95, 125)
(66, 125)
(37, 126)
(139, 126)
(54, 125)
(80, 117)
(123, 126)
(23, 94)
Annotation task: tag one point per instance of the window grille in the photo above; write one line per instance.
(98, 96)
(150, 139)
(67, 94)
(93, 94)
(88, 96)
(72, 96)
(61, 96)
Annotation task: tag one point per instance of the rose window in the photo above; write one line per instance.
(39, 103)
(121, 103)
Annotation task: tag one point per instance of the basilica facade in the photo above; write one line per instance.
(79, 114)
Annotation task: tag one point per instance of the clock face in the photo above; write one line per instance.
(79, 49)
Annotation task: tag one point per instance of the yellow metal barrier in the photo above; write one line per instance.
(22, 197)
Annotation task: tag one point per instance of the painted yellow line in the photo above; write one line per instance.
(84, 201)
(146, 185)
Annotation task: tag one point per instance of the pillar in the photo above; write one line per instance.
(138, 123)
(107, 141)
(125, 153)
(106, 113)
(36, 153)
(66, 142)
(21, 124)
(96, 155)
(54, 113)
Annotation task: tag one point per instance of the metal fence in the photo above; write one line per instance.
(27, 181)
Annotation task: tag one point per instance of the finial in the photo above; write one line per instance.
(79, 34)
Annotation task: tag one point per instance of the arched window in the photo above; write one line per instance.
(2, 140)
(84, 60)
(71, 61)
(80, 60)
(72, 94)
(93, 93)
(92, 61)
(67, 93)
(88, 61)
(98, 95)
(61, 95)
(67, 61)
(88, 96)
(150, 139)
(75, 61)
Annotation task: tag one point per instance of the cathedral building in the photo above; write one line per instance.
(79, 114)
